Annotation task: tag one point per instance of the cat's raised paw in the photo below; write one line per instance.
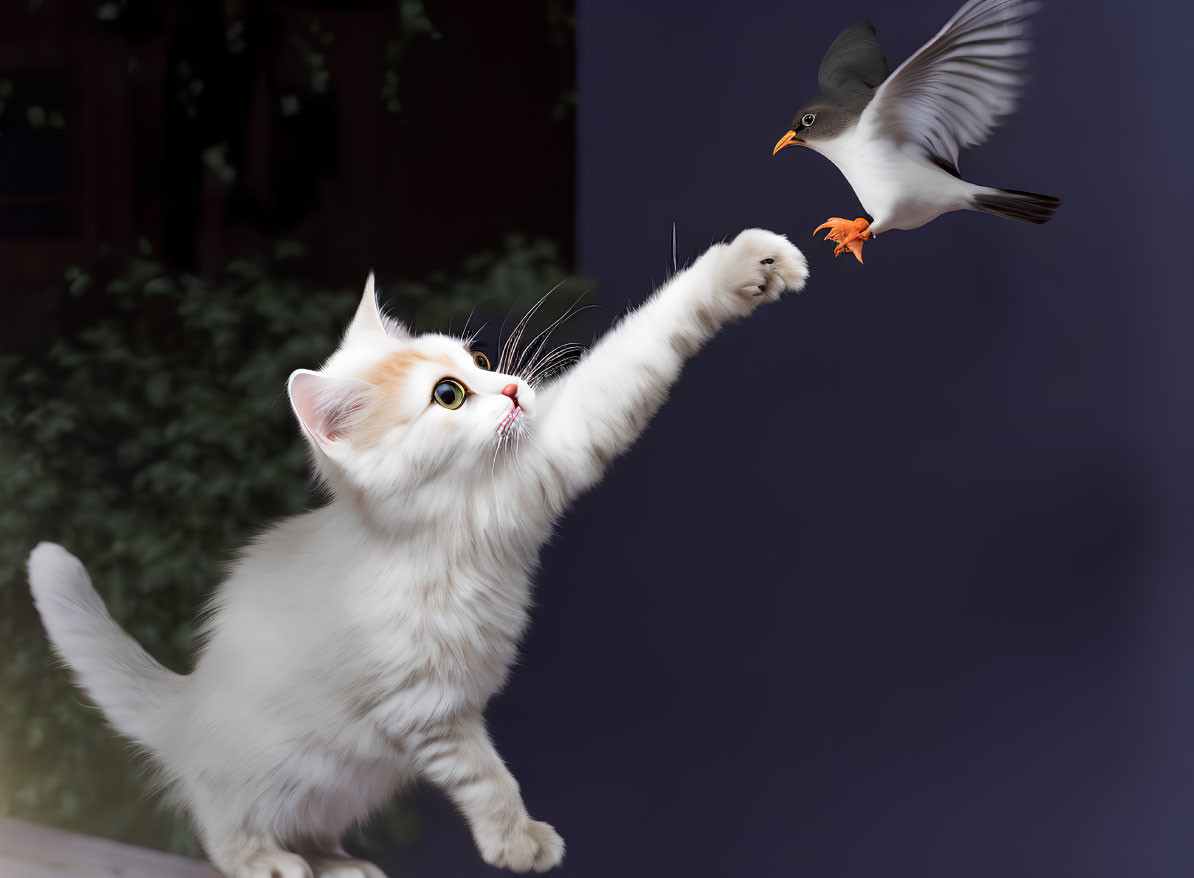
(535, 846)
(759, 266)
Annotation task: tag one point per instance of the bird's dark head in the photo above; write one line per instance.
(817, 120)
(851, 71)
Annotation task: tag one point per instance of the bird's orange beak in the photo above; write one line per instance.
(786, 141)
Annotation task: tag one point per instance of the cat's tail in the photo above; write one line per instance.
(130, 687)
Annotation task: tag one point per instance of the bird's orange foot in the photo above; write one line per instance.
(846, 234)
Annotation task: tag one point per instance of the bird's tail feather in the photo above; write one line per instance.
(1027, 207)
(129, 686)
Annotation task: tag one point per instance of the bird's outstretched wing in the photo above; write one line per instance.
(953, 90)
(854, 64)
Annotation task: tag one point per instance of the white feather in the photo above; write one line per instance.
(952, 91)
(896, 184)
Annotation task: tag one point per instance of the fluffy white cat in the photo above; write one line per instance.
(354, 647)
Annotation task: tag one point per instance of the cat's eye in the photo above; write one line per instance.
(808, 119)
(481, 360)
(449, 393)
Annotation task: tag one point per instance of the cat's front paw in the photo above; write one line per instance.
(345, 867)
(272, 864)
(758, 266)
(534, 845)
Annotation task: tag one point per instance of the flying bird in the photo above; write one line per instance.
(896, 136)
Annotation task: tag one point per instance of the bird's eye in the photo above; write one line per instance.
(481, 360)
(808, 119)
(449, 393)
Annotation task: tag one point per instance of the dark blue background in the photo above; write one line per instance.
(899, 582)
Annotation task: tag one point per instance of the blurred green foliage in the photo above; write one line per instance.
(151, 437)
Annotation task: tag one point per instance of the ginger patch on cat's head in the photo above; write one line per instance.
(403, 382)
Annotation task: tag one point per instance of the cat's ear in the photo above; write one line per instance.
(369, 319)
(328, 408)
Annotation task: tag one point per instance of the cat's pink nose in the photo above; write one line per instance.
(511, 390)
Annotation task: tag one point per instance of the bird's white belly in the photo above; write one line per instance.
(897, 186)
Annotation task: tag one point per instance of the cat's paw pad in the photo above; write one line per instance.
(759, 266)
(274, 864)
(534, 846)
(345, 867)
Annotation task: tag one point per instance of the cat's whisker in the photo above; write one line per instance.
(675, 262)
(496, 448)
(470, 340)
(553, 354)
(511, 346)
(546, 334)
(502, 328)
(516, 338)
(572, 311)
(516, 453)
(467, 321)
(552, 361)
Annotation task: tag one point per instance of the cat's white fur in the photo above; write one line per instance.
(354, 647)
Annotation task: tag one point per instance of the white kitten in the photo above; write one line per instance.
(354, 647)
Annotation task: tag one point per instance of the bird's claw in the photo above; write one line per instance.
(854, 247)
(847, 234)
